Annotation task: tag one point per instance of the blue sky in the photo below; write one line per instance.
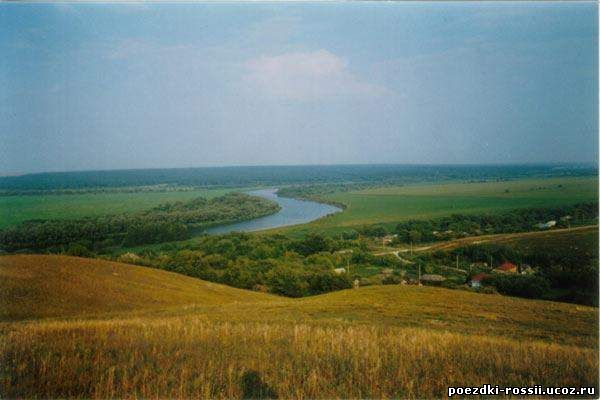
(106, 86)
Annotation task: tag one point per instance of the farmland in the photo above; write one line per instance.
(212, 341)
(380, 204)
(16, 209)
(389, 205)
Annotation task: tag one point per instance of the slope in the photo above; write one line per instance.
(34, 286)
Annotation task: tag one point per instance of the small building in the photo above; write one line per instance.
(478, 264)
(527, 270)
(477, 279)
(345, 251)
(388, 239)
(507, 268)
(340, 271)
(546, 225)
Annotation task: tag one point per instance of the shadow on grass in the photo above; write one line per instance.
(254, 388)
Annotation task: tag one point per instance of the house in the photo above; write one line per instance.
(478, 264)
(477, 279)
(346, 251)
(546, 225)
(388, 239)
(340, 271)
(507, 268)
(527, 270)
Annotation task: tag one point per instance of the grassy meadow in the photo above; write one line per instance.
(16, 209)
(389, 205)
(212, 341)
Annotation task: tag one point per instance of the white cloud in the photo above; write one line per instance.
(307, 76)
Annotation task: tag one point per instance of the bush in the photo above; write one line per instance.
(529, 286)
(286, 281)
(350, 235)
(78, 250)
(327, 281)
(374, 231)
(312, 244)
(488, 290)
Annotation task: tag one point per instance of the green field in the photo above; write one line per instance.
(390, 205)
(379, 205)
(16, 209)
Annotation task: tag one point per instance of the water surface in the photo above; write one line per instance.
(292, 212)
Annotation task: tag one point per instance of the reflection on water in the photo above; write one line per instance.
(292, 212)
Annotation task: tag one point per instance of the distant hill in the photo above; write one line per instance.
(244, 176)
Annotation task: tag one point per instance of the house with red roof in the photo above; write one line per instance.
(507, 268)
(477, 279)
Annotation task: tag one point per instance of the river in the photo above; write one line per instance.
(292, 212)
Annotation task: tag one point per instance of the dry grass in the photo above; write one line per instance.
(33, 286)
(161, 335)
(195, 358)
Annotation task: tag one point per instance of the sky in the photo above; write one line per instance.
(148, 85)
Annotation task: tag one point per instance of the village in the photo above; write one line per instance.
(406, 266)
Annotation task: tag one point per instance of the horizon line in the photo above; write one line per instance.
(496, 164)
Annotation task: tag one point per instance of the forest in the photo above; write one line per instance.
(249, 176)
(166, 222)
(566, 271)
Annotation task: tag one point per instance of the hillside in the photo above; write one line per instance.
(38, 286)
(585, 236)
(33, 286)
(149, 333)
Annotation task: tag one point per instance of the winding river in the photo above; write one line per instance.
(292, 212)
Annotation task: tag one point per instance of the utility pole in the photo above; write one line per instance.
(419, 274)
(348, 265)
(411, 247)
(457, 261)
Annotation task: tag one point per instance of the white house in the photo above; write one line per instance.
(547, 225)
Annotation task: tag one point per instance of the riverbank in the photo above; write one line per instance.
(292, 212)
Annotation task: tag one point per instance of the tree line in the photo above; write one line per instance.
(462, 225)
(166, 222)
(285, 176)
